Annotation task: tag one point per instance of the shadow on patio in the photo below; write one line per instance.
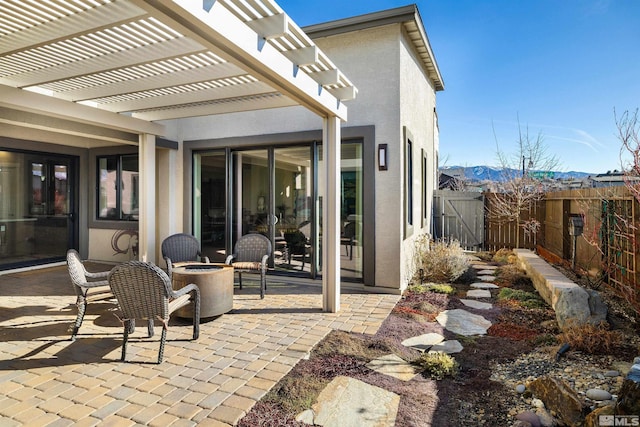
(237, 359)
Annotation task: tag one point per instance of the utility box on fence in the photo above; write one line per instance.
(576, 224)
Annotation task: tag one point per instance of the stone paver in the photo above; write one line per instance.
(423, 342)
(394, 366)
(486, 271)
(479, 293)
(212, 381)
(484, 285)
(476, 304)
(462, 322)
(348, 402)
(449, 347)
(487, 277)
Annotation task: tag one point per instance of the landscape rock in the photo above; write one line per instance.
(423, 342)
(520, 388)
(597, 307)
(521, 423)
(394, 366)
(593, 418)
(476, 304)
(348, 402)
(560, 398)
(484, 285)
(572, 306)
(629, 397)
(306, 417)
(598, 394)
(529, 417)
(479, 293)
(487, 271)
(448, 347)
(462, 322)
(546, 420)
(487, 277)
(611, 373)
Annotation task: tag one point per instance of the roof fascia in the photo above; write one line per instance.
(399, 15)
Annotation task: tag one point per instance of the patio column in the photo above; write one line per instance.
(331, 216)
(147, 198)
(170, 212)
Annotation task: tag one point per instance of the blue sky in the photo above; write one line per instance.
(560, 67)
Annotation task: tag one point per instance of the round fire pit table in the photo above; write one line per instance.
(216, 287)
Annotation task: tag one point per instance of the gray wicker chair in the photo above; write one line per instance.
(144, 291)
(181, 247)
(85, 284)
(250, 254)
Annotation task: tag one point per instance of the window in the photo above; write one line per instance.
(118, 186)
(425, 201)
(408, 180)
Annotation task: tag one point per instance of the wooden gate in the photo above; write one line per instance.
(459, 215)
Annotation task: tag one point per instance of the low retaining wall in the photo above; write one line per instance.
(572, 303)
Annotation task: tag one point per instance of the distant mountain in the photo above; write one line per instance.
(488, 173)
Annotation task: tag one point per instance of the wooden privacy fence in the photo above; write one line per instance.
(607, 248)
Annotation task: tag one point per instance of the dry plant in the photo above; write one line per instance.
(592, 339)
(439, 261)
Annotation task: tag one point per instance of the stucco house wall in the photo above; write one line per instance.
(393, 93)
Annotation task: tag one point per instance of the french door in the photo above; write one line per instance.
(37, 209)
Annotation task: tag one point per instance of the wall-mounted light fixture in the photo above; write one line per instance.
(382, 157)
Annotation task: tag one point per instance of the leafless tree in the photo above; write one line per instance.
(628, 125)
(522, 187)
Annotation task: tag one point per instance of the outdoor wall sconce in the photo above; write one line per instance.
(382, 157)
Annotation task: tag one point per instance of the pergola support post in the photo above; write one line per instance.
(147, 198)
(331, 216)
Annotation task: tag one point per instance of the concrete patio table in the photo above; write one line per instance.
(216, 287)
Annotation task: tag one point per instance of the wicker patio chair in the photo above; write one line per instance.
(179, 248)
(85, 285)
(144, 291)
(250, 254)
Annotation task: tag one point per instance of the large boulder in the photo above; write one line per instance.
(559, 397)
(572, 303)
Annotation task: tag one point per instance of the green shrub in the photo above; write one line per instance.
(526, 299)
(441, 289)
(437, 364)
(439, 261)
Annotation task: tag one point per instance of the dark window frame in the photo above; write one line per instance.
(120, 216)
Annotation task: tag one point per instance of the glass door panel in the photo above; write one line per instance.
(251, 210)
(210, 205)
(351, 214)
(294, 231)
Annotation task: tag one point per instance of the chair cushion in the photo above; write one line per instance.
(247, 265)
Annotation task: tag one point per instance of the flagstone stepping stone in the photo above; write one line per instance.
(348, 402)
(479, 293)
(449, 347)
(476, 304)
(487, 272)
(484, 285)
(487, 277)
(489, 267)
(473, 258)
(394, 366)
(423, 342)
(462, 322)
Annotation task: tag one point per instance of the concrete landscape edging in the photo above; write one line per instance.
(572, 303)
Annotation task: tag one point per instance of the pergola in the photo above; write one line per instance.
(103, 72)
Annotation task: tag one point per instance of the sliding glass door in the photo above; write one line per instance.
(275, 191)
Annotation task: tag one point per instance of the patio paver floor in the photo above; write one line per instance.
(48, 379)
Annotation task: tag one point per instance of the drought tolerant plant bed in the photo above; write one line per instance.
(521, 344)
